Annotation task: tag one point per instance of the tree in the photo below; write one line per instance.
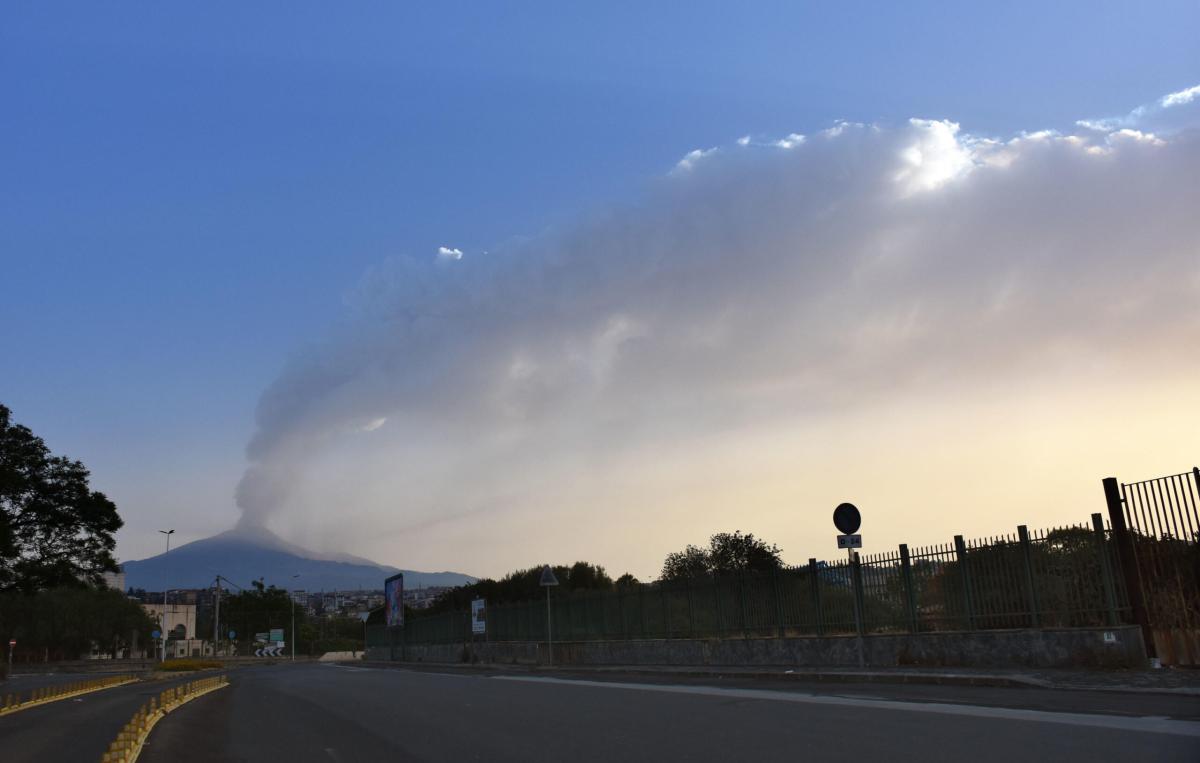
(692, 562)
(726, 553)
(54, 529)
(626, 581)
(259, 610)
(520, 585)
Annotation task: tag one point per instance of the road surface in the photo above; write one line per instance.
(351, 713)
(75, 729)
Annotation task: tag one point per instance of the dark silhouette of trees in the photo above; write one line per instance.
(726, 553)
(520, 585)
(54, 529)
(56, 541)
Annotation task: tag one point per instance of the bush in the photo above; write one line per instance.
(174, 666)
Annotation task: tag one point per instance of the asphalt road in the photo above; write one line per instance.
(75, 729)
(342, 714)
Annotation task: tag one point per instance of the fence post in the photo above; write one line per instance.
(910, 596)
(1110, 596)
(622, 628)
(814, 584)
(1127, 555)
(778, 603)
(642, 607)
(716, 587)
(742, 601)
(960, 550)
(666, 613)
(691, 608)
(1035, 619)
(859, 609)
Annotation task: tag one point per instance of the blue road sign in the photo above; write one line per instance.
(155, 634)
(232, 635)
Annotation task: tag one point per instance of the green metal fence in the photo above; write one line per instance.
(1063, 577)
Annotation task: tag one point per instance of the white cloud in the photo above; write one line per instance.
(691, 158)
(1180, 97)
(1173, 112)
(934, 156)
(744, 140)
(448, 253)
(374, 424)
(791, 141)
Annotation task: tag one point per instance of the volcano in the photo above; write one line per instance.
(249, 553)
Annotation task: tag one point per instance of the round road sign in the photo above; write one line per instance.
(846, 518)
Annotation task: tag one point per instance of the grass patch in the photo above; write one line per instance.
(180, 665)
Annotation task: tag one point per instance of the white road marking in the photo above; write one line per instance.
(1144, 724)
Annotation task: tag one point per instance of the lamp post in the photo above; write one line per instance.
(292, 596)
(167, 533)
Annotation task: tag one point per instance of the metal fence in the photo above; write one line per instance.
(1062, 577)
(1158, 524)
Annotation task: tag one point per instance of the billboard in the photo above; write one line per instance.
(393, 594)
(478, 616)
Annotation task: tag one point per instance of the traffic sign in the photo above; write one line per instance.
(846, 518)
(849, 541)
(155, 634)
(548, 577)
(232, 635)
(12, 642)
(276, 634)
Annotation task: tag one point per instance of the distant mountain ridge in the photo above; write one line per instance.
(244, 554)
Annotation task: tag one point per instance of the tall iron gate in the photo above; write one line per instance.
(1156, 524)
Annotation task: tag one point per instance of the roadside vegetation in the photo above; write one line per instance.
(182, 665)
(56, 543)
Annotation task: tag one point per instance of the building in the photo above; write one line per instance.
(115, 580)
(180, 626)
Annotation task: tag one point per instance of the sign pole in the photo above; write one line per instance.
(548, 580)
(858, 626)
(847, 519)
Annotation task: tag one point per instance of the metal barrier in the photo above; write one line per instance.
(1062, 577)
(128, 744)
(11, 703)
(1157, 522)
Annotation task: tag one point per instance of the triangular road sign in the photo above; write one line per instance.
(548, 576)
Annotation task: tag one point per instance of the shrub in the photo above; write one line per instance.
(181, 665)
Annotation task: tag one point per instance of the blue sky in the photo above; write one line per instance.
(187, 195)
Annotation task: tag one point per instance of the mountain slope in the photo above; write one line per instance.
(246, 554)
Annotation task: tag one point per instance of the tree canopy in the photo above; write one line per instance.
(523, 585)
(726, 553)
(54, 529)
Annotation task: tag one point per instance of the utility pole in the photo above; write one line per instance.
(167, 533)
(217, 618)
(292, 596)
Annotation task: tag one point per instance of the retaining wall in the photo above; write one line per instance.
(1117, 647)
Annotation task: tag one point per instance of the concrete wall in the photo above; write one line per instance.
(1120, 647)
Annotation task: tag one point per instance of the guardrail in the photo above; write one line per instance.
(11, 703)
(128, 744)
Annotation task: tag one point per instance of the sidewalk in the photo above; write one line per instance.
(1164, 681)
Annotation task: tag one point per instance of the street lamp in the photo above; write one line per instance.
(293, 598)
(167, 533)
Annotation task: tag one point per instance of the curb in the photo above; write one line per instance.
(782, 674)
(129, 742)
